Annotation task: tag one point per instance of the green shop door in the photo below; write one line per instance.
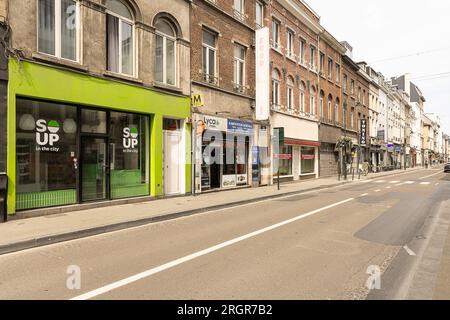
(94, 169)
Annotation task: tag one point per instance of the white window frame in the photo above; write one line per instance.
(239, 12)
(134, 49)
(238, 64)
(58, 42)
(338, 72)
(330, 117)
(208, 49)
(302, 98)
(336, 112)
(312, 101)
(302, 53)
(330, 68)
(174, 39)
(275, 91)
(290, 37)
(276, 36)
(259, 24)
(290, 97)
(313, 57)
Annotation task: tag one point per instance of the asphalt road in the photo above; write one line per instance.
(318, 245)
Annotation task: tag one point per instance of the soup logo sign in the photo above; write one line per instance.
(130, 139)
(47, 135)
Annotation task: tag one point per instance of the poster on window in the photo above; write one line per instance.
(242, 179)
(228, 181)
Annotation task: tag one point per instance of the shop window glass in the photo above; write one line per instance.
(308, 158)
(93, 121)
(129, 155)
(285, 161)
(45, 154)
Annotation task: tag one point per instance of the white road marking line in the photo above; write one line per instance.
(388, 188)
(378, 190)
(380, 181)
(431, 175)
(392, 182)
(409, 251)
(425, 183)
(174, 263)
(409, 182)
(364, 195)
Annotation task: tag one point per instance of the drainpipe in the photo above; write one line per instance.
(3, 118)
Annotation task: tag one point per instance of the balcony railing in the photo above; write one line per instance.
(210, 79)
(239, 15)
(239, 88)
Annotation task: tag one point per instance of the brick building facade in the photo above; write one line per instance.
(223, 76)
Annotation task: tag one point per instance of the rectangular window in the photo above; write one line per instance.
(120, 53)
(330, 69)
(308, 159)
(276, 34)
(338, 73)
(209, 57)
(313, 57)
(302, 58)
(290, 44)
(239, 9)
(58, 28)
(352, 87)
(46, 147)
(344, 85)
(239, 67)
(322, 63)
(259, 15)
(284, 161)
(290, 98)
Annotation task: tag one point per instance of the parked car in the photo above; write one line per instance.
(447, 167)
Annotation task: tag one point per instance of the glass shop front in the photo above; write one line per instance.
(69, 154)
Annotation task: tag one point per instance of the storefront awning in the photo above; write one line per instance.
(297, 142)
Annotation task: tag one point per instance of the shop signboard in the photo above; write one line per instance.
(390, 147)
(238, 126)
(308, 156)
(214, 123)
(363, 133)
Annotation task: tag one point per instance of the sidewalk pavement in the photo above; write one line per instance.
(23, 234)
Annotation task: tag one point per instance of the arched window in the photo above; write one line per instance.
(321, 102)
(302, 96)
(275, 88)
(336, 110)
(330, 101)
(120, 38)
(165, 52)
(290, 94)
(58, 26)
(312, 100)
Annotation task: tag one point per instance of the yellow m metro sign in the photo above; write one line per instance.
(197, 100)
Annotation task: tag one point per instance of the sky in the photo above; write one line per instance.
(398, 37)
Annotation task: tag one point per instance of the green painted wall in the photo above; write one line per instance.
(37, 81)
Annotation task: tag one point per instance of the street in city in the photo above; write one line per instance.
(316, 245)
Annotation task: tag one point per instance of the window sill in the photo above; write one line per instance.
(277, 50)
(161, 85)
(58, 61)
(122, 77)
(292, 58)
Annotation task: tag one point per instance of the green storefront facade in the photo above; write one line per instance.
(75, 138)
